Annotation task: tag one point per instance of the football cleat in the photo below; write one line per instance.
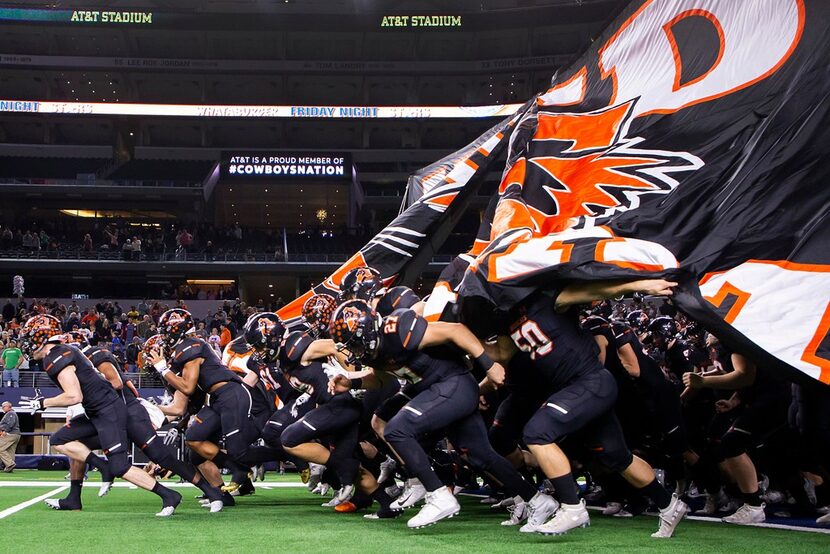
(105, 488)
(540, 508)
(612, 508)
(670, 516)
(746, 515)
(518, 512)
(315, 472)
(387, 469)
(823, 520)
(343, 495)
(412, 493)
(62, 504)
(567, 517)
(346, 507)
(440, 504)
(170, 505)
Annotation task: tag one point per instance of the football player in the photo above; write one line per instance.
(106, 414)
(405, 345)
(195, 366)
(544, 332)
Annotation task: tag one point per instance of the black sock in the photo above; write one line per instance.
(564, 488)
(657, 494)
(753, 498)
(382, 498)
(211, 492)
(168, 496)
(101, 465)
(75, 486)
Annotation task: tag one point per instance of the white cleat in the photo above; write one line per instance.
(412, 493)
(518, 511)
(747, 514)
(53, 503)
(824, 520)
(315, 474)
(670, 517)
(105, 489)
(503, 504)
(440, 504)
(567, 517)
(539, 509)
(216, 506)
(167, 511)
(612, 508)
(322, 489)
(387, 469)
(343, 495)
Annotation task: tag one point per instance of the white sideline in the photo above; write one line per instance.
(708, 519)
(124, 484)
(14, 509)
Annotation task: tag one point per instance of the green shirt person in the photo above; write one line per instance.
(12, 358)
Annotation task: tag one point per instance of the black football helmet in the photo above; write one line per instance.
(264, 333)
(360, 283)
(638, 320)
(174, 325)
(603, 309)
(663, 328)
(355, 327)
(317, 312)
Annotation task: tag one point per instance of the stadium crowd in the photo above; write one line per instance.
(656, 415)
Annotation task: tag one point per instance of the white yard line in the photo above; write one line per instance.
(14, 509)
(124, 484)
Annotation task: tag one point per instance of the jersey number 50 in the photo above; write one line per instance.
(529, 338)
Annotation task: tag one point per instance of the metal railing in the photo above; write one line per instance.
(182, 256)
(41, 380)
(164, 183)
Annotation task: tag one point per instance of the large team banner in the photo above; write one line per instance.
(689, 141)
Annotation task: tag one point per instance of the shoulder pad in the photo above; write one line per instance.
(295, 346)
(187, 350)
(58, 359)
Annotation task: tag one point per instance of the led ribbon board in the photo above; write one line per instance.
(238, 111)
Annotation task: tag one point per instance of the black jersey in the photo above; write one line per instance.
(211, 371)
(308, 379)
(98, 355)
(559, 349)
(97, 391)
(396, 298)
(398, 353)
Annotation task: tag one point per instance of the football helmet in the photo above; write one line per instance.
(360, 283)
(155, 342)
(317, 312)
(355, 327)
(36, 331)
(78, 338)
(663, 327)
(637, 319)
(264, 333)
(174, 325)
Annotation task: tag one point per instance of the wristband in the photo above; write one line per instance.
(356, 383)
(164, 372)
(484, 361)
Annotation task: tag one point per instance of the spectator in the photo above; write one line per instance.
(133, 348)
(8, 310)
(213, 340)
(144, 326)
(87, 244)
(12, 357)
(9, 437)
(225, 336)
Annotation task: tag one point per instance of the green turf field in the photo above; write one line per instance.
(292, 520)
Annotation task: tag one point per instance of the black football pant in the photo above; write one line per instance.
(451, 404)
